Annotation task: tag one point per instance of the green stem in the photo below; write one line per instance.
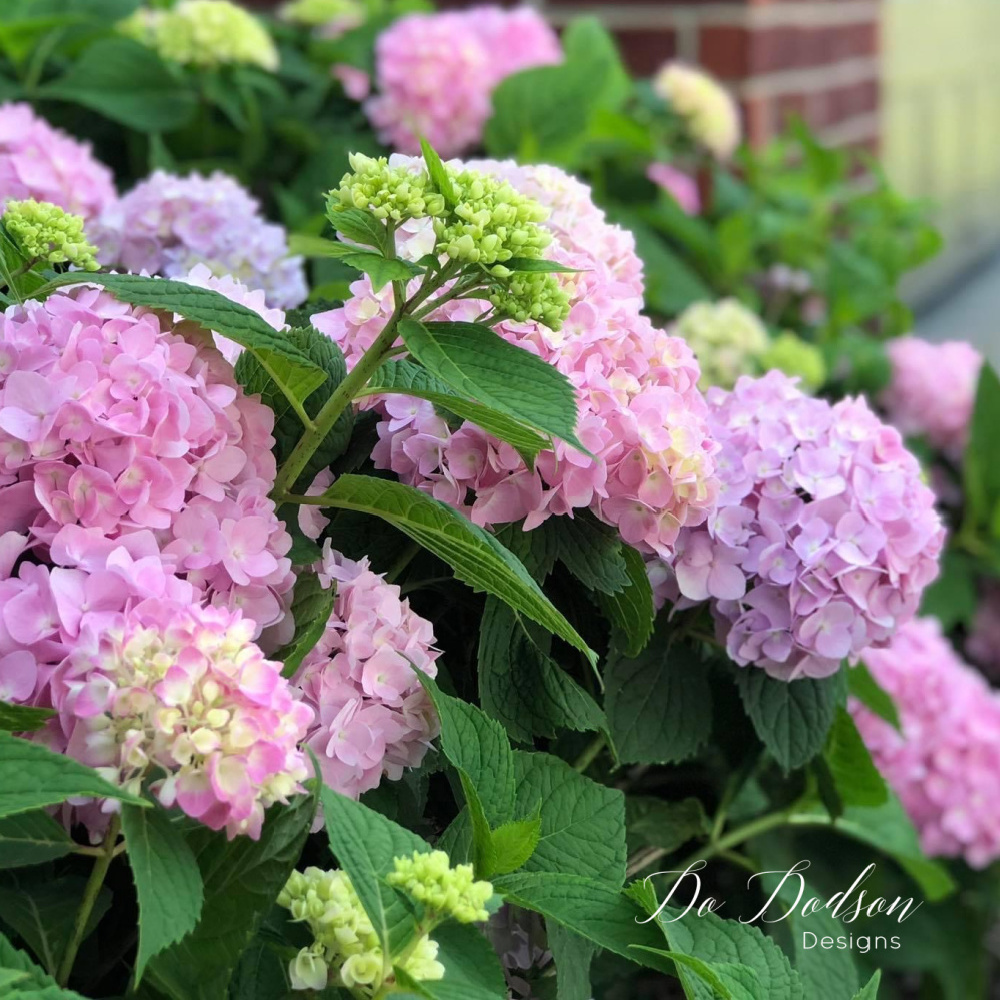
(90, 894)
(590, 754)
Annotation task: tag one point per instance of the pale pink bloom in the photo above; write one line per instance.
(680, 186)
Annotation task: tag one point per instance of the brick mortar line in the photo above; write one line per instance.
(813, 79)
(864, 126)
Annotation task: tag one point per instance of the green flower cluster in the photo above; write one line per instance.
(205, 33)
(726, 337)
(345, 951)
(43, 231)
(490, 223)
(531, 296)
(319, 12)
(443, 890)
(794, 356)
(394, 193)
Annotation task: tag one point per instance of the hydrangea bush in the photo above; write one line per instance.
(406, 621)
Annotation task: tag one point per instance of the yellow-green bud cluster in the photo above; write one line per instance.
(319, 12)
(395, 193)
(345, 951)
(205, 33)
(727, 338)
(44, 231)
(491, 222)
(443, 890)
(529, 296)
(794, 356)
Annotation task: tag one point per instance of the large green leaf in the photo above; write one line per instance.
(409, 379)
(128, 83)
(32, 776)
(365, 843)
(480, 365)
(654, 822)
(792, 718)
(981, 464)
(726, 980)
(476, 557)
(288, 365)
(379, 268)
(659, 703)
(167, 880)
(472, 970)
(855, 777)
(312, 605)
(863, 686)
(572, 956)
(521, 685)
(870, 990)
(30, 982)
(32, 838)
(23, 718)
(242, 879)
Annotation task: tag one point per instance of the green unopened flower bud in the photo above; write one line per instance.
(395, 193)
(794, 356)
(527, 296)
(444, 891)
(43, 231)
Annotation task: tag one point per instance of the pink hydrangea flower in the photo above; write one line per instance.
(824, 536)
(680, 186)
(167, 224)
(945, 765)
(435, 73)
(41, 162)
(640, 411)
(112, 424)
(182, 689)
(372, 717)
(933, 390)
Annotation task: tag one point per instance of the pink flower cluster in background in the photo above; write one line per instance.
(435, 73)
(41, 162)
(824, 537)
(682, 187)
(945, 765)
(176, 688)
(167, 225)
(640, 411)
(371, 714)
(933, 390)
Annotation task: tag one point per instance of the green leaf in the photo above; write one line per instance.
(32, 983)
(522, 686)
(32, 776)
(856, 778)
(870, 991)
(953, 597)
(720, 978)
(290, 368)
(514, 843)
(659, 703)
(593, 553)
(792, 718)
(863, 686)
(43, 911)
(653, 822)
(324, 353)
(631, 610)
(359, 226)
(479, 364)
(23, 718)
(379, 268)
(312, 605)
(167, 881)
(128, 83)
(583, 822)
(476, 557)
(472, 970)
(32, 838)
(483, 854)
(365, 843)
(409, 379)
(981, 464)
(536, 265)
(242, 879)
(438, 173)
(572, 955)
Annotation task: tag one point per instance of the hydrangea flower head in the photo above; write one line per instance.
(167, 225)
(443, 890)
(388, 192)
(372, 716)
(641, 414)
(824, 536)
(43, 231)
(42, 162)
(205, 33)
(727, 339)
(435, 73)
(680, 186)
(705, 105)
(794, 356)
(933, 390)
(182, 689)
(346, 951)
(945, 764)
